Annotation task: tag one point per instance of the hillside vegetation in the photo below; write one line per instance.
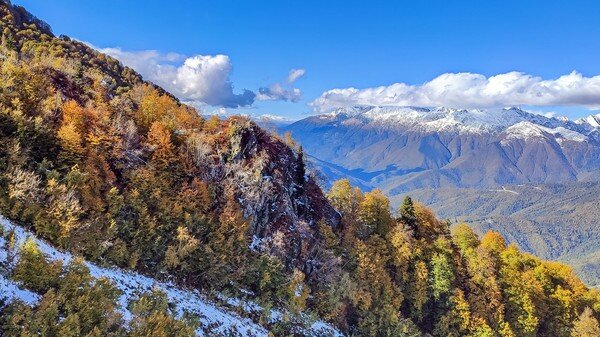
(111, 168)
(530, 177)
(552, 221)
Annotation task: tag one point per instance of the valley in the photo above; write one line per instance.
(531, 177)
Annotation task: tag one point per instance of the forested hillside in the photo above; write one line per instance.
(552, 221)
(112, 168)
(531, 177)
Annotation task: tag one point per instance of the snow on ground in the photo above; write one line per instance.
(9, 291)
(504, 189)
(528, 130)
(133, 284)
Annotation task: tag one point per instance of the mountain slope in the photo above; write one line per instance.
(213, 318)
(97, 161)
(104, 117)
(466, 164)
(408, 148)
(104, 166)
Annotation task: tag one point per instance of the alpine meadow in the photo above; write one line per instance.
(143, 194)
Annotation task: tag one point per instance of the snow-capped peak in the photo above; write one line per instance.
(508, 121)
(440, 119)
(528, 130)
(592, 120)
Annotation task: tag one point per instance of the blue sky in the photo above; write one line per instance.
(342, 44)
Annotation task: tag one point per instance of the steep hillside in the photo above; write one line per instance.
(131, 196)
(214, 316)
(89, 119)
(99, 162)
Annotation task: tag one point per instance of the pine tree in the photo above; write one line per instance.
(33, 270)
(407, 215)
(300, 168)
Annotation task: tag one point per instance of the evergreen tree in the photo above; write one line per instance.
(407, 215)
(300, 168)
(33, 270)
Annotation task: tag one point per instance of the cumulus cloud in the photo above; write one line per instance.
(283, 92)
(469, 90)
(276, 92)
(200, 78)
(206, 79)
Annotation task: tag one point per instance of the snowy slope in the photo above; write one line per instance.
(592, 120)
(441, 119)
(9, 291)
(133, 284)
(527, 130)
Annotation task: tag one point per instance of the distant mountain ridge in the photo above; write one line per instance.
(403, 148)
(592, 120)
(531, 177)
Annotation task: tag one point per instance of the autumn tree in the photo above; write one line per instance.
(374, 212)
(159, 137)
(586, 325)
(464, 237)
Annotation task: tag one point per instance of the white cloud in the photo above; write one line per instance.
(206, 79)
(294, 75)
(200, 78)
(283, 92)
(276, 92)
(274, 118)
(468, 90)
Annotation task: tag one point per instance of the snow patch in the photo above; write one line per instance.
(593, 121)
(10, 290)
(528, 130)
(133, 284)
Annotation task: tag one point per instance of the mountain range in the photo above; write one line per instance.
(529, 176)
(406, 148)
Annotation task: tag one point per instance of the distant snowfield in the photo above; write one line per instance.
(133, 284)
(471, 121)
